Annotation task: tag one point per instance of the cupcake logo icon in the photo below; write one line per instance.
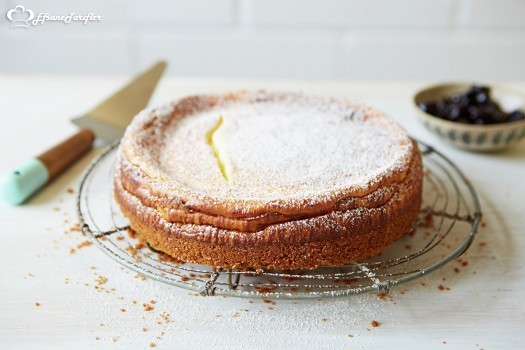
(20, 16)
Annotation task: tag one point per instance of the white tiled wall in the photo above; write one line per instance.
(290, 39)
(352, 14)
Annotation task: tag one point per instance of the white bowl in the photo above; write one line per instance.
(471, 136)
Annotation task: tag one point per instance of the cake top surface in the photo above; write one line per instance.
(250, 149)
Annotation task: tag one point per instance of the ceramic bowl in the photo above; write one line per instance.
(473, 137)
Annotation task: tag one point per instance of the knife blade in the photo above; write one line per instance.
(110, 118)
(108, 121)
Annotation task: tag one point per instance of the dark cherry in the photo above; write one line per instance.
(479, 94)
(473, 113)
(454, 112)
(441, 108)
(473, 107)
(456, 98)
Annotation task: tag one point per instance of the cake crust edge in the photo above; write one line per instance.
(331, 239)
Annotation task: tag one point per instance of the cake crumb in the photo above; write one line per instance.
(428, 221)
(141, 277)
(144, 329)
(84, 244)
(147, 307)
(166, 317)
(70, 190)
(374, 323)
(383, 296)
(152, 345)
(131, 250)
(131, 233)
(122, 310)
(72, 251)
(37, 304)
(350, 335)
(101, 280)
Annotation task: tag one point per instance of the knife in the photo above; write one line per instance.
(106, 121)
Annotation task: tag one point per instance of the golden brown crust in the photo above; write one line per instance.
(136, 183)
(329, 239)
(333, 228)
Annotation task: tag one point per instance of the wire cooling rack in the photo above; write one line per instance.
(443, 230)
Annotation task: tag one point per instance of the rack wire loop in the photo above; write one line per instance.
(209, 288)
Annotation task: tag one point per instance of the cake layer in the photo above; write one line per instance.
(334, 238)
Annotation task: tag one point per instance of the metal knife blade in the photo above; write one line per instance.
(110, 118)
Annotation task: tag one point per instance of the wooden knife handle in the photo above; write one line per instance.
(60, 157)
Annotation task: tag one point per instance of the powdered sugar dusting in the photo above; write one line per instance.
(277, 147)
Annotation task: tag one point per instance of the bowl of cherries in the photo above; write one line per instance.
(473, 117)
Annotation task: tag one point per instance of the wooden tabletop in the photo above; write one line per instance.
(60, 293)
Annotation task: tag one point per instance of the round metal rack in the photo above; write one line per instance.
(444, 229)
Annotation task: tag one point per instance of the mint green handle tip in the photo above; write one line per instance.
(20, 183)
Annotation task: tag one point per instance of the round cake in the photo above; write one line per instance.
(268, 180)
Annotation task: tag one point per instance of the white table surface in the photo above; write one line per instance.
(485, 307)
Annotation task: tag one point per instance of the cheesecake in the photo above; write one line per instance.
(268, 180)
